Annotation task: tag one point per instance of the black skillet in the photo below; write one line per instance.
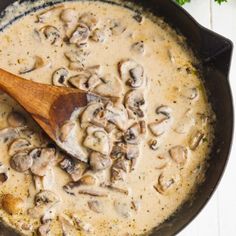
(215, 53)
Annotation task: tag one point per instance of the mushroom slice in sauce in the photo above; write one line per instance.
(93, 114)
(89, 19)
(93, 193)
(74, 168)
(11, 204)
(133, 134)
(116, 27)
(16, 119)
(85, 81)
(119, 169)
(131, 73)
(125, 150)
(110, 87)
(168, 181)
(3, 174)
(87, 180)
(38, 63)
(96, 206)
(117, 115)
(74, 56)
(98, 35)
(160, 126)
(97, 140)
(18, 145)
(66, 130)
(99, 162)
(44, 229)
(42, 160)
(21, 162)
(195, 139)
(134, 101)
(8, 134)
(179, 154)
(68, 15)
(60, 77)
(80, 35)
(138, 47)
(51, 33)
(191, 93)
(164, 110)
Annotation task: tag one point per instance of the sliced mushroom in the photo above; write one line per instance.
(3, 174)
(131, 73)
(82, 226)
(89, 19)
(18, 145)
(44, 200)
(119, 170)
(117, 115)
(115, 189)
(95, 206)
(66, 130)
(122, 209)
(125, 150)
(8, 134)
(191, 93)
(87, 180)
(93, 114)
(93, 193)
(16, 119)
(164, 110)
(133, 134)
(138, 47)
(97, 140)
(68, 15)
(195, 140)
(80, 35)
(44, 229)
(110, 87)
(42, 17)
(60, 77)
(21, 162)
(42, 160)
(134, 101)
(153, 144)
(168, 181)
(160, 126)
(98, 35)
(74, 56)
(51, 33)
(179, 154)
(74, 168)
(85, 81)
(99, 162)
(38, 63)
(116, 27)
(11, 204)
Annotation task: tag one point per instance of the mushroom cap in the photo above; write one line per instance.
(99, 162)
(21, 162)
(111, 86)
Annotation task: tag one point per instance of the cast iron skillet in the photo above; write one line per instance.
(215, 53)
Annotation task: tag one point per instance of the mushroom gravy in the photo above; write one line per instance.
(142, 144)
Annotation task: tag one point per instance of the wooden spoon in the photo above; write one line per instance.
(50, 106)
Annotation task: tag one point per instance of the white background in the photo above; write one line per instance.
(218, 218)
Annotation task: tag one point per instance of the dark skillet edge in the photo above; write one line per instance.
(210, 60)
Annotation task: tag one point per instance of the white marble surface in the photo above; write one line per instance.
(218, 217)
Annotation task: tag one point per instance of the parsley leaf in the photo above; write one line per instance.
(182, 2)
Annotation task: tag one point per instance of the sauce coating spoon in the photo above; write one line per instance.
(49, 106)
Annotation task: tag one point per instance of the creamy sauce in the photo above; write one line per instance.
(171, 161)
